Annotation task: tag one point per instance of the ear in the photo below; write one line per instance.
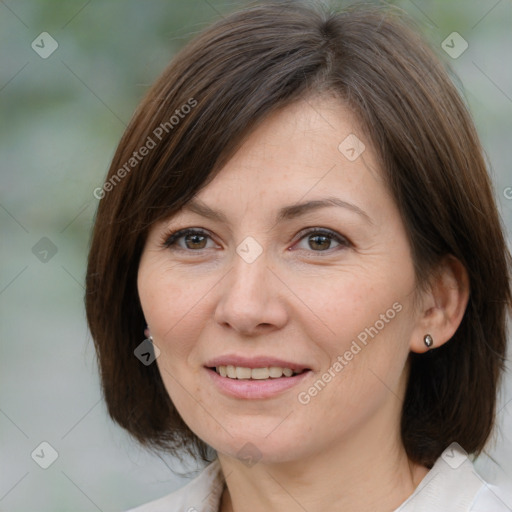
(443, 305)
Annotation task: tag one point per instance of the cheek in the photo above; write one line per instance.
(343, 305)
(364, 333)
(172, 305)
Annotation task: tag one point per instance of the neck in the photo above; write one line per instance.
(371, 471)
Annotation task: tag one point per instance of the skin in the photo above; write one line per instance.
(303, 300)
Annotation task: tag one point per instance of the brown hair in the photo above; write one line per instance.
(231, 77)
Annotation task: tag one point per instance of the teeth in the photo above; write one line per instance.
(260, 373)
(275, 372)
(240, 372)
(243, 373)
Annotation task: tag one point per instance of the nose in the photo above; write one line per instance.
(252, 298)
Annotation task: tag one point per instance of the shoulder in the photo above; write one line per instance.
(453, 485)
(491, 498)
(202, 494)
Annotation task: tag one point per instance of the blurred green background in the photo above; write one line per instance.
(61, 118)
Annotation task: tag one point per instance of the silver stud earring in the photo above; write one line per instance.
(428, 340)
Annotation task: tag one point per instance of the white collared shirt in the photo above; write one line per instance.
(452, 485)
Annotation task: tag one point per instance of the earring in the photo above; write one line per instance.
(147, 334)
(428, 340)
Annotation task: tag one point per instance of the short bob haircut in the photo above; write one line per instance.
(212, 95)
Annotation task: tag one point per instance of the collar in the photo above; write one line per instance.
(451, 485)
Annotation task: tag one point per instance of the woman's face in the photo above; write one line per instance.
(300, 262)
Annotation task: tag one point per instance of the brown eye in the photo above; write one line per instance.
(187, 240)
(195, 241)
(322, 240)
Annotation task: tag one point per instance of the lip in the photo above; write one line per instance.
(255, 389)
(254, 362)
(247, 389)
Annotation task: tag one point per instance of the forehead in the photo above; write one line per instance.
(310, 150)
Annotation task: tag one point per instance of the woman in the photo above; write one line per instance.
(300, 219)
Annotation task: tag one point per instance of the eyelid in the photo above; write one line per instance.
(170, 237)
(343, 240)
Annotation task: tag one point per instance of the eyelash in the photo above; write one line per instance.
(170, 239)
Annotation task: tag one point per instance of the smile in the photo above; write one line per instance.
(264, 373)
(265, 382)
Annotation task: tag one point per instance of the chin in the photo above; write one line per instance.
(252, 448)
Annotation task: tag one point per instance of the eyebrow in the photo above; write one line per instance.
(285, 213)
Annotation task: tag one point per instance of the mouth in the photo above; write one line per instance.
(255, 378)
(262, 373)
